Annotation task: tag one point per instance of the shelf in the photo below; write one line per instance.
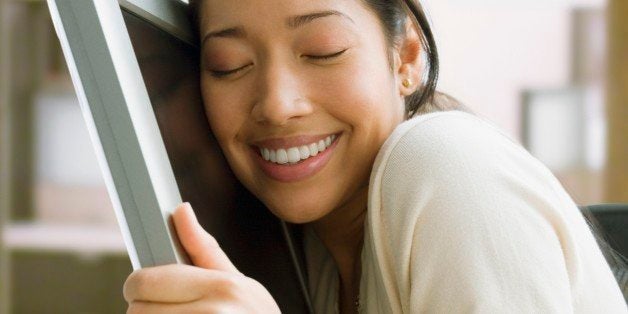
(79, 239)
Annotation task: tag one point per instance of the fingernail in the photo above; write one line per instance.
(191, 211)
(184, 207)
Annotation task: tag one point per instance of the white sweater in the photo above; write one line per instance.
(461, 219)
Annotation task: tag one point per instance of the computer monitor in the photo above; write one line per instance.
(135, 68)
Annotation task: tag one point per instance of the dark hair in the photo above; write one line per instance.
(393, 15)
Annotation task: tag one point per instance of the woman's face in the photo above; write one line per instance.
(284, 79)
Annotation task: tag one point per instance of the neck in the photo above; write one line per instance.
(342, 233)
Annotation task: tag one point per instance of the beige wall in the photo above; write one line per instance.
(617, 109)
(490, 52)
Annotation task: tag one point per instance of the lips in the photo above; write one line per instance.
(294, 159)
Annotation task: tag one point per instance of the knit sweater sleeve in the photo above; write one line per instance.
(469, 222)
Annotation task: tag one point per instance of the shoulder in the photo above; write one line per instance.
(447, 149)
(458, 211)
(450, 187)
(444, 139)
(453, 168)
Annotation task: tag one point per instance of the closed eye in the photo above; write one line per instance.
(220, 74)
(328, 57)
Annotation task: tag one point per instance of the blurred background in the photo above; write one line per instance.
(552, 74)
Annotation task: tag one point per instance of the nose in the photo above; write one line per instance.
(280, 98)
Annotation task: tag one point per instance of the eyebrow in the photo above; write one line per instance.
(300, 20)
(292, 23)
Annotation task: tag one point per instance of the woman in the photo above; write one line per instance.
(321, 111)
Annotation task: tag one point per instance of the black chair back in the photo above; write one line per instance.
(609, 223)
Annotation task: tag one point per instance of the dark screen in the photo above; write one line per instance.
(250, 235)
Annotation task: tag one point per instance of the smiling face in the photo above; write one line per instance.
(301, 96)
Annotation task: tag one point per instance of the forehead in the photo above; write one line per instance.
(216, 13)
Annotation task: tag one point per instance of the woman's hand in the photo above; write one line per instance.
(212, 285)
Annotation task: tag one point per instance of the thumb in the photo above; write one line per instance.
(202, 248)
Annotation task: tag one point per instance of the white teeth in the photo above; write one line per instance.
(304, 151)
(313, 149)
(282, 156)
(266, 153)
(321, 145)
(295, 154)
(272, 156)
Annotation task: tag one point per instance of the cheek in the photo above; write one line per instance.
(226, 116)
(361, 94)
(224, 112)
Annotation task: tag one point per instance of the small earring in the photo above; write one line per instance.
(406, 83)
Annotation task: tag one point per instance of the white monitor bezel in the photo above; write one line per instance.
(120, 118)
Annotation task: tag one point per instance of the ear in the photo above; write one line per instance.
(409, 61)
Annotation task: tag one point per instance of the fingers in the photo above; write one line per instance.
(202, 248)
(175, 284)
(188, 289)
(140, 307)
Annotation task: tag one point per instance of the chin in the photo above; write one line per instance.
(298, 214)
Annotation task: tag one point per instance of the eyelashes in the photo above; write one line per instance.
(328, 57)
(221, 74)
(224, 74)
